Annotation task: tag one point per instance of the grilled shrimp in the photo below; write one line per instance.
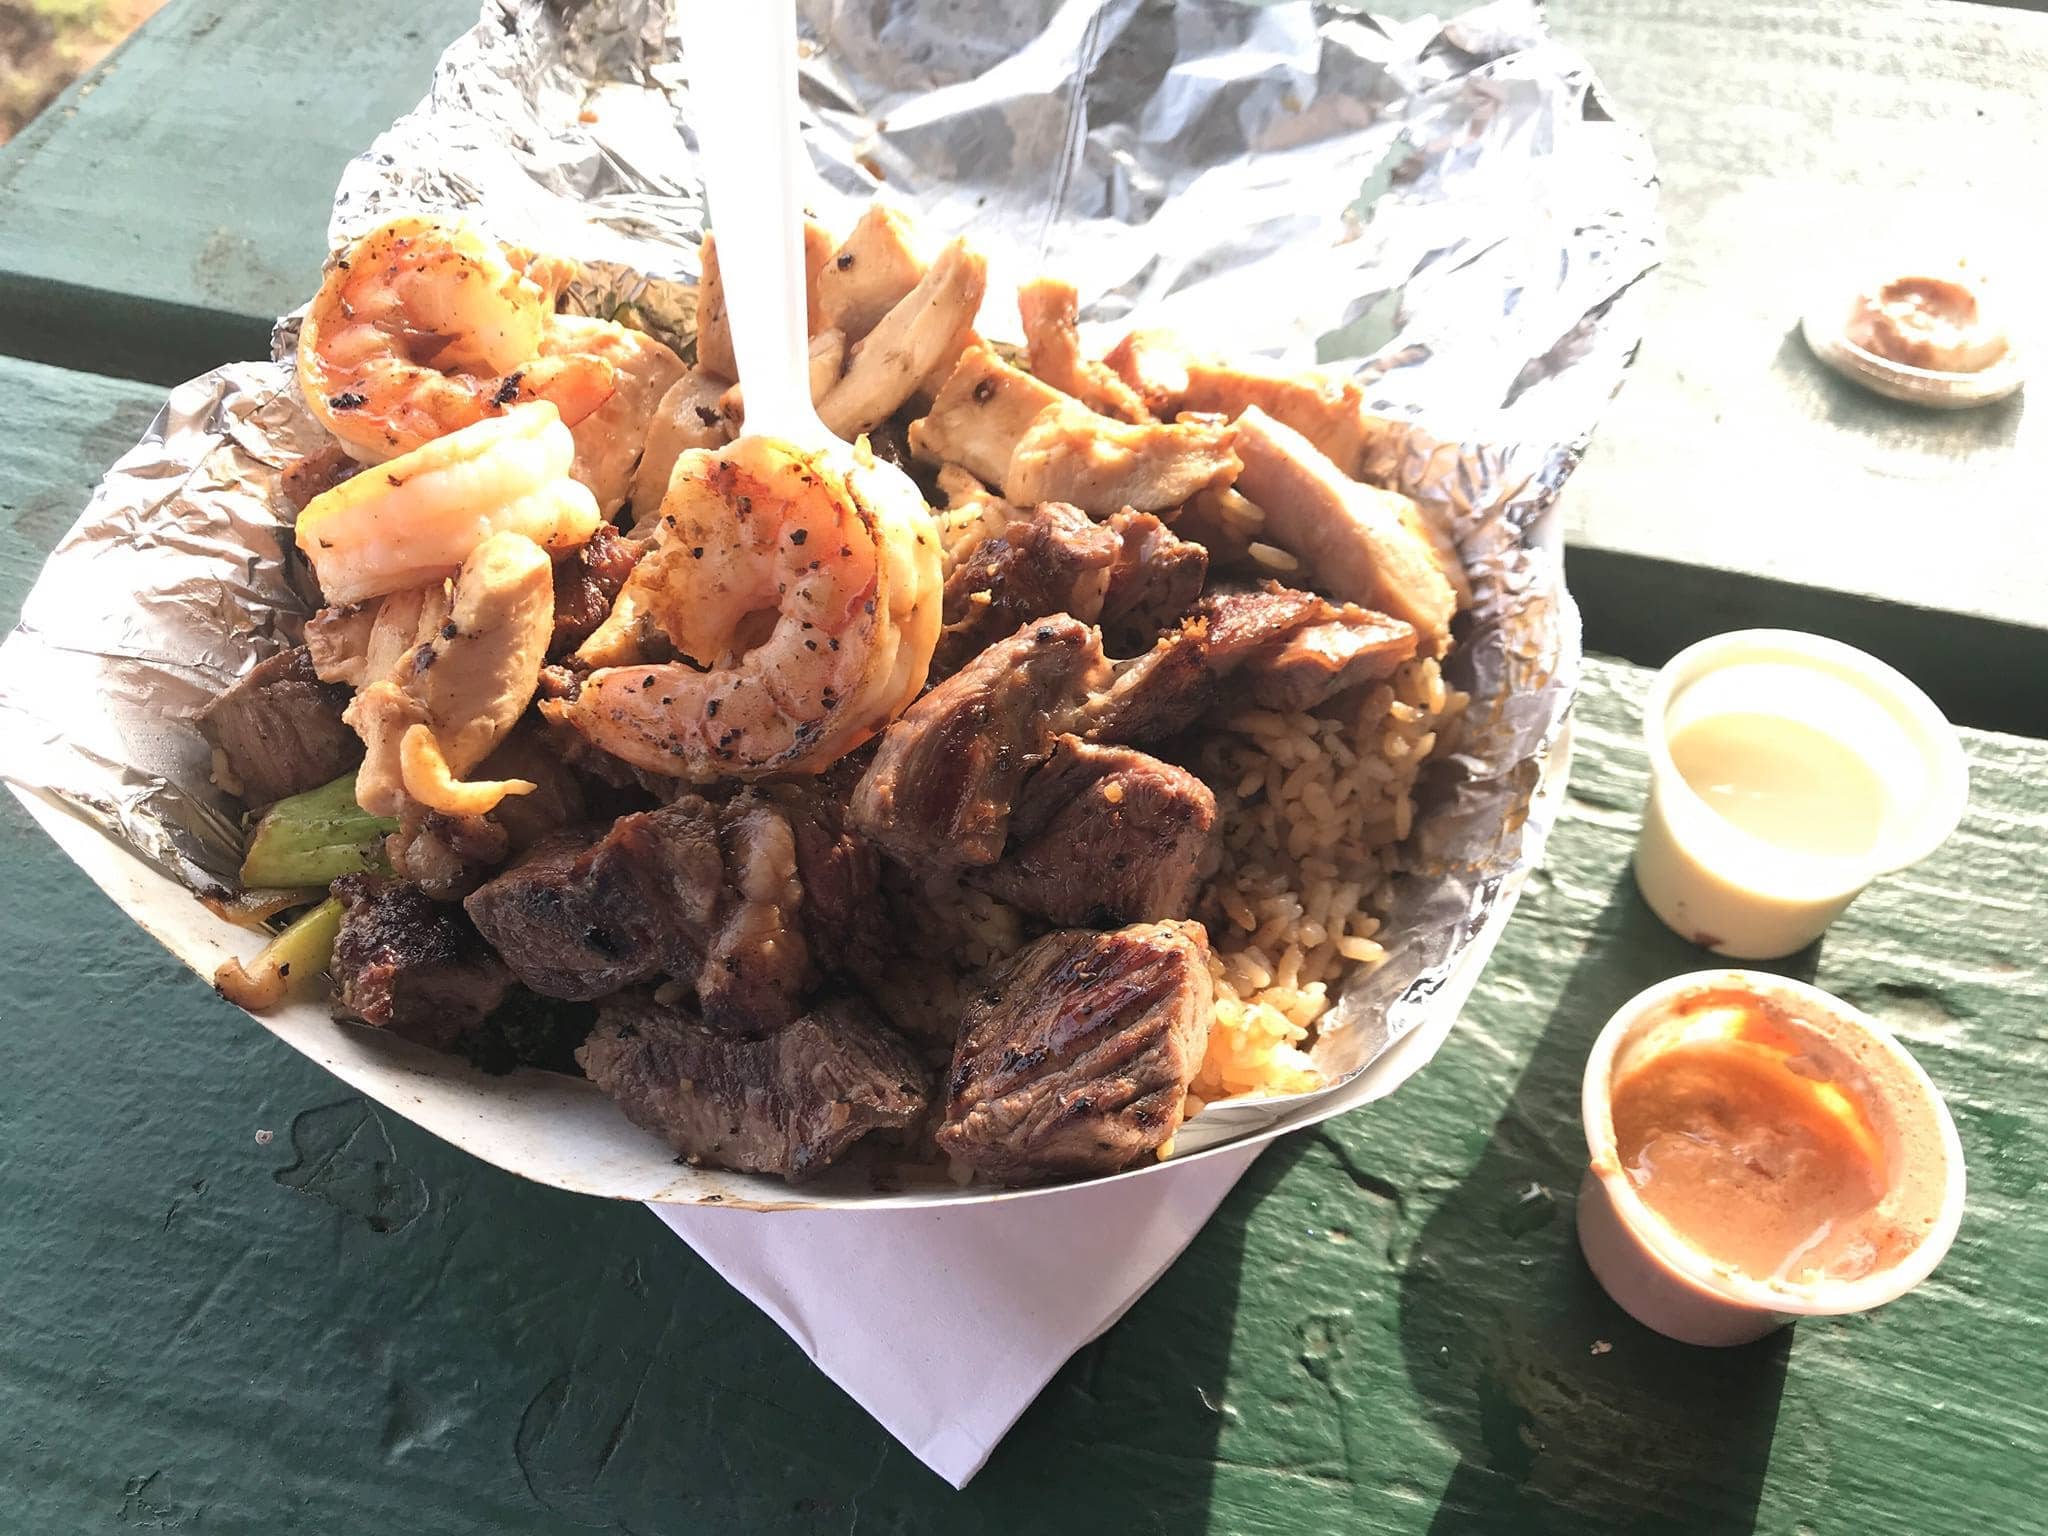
(609, 439)
(417, 518)
(425, 326)
(806, 592)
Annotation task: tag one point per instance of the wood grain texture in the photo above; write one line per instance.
(172, 202)
(1789, 135)
(235, 1298)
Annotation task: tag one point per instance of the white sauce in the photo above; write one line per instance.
(1786, 782)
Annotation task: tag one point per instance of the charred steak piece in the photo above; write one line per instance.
(410, 964)
(1320, 660)
(586, 913)
(1171, 686)
(450, 856)
(1104, 836)
(692, 890)
(278, 730)
(1076, 1057)
(846, 925)
(943, 780)
(529, 1030)
(1272, 645)
(1237, 625)
(1156, 696)
(1155, 580)
(1053, 559)
(587, 583)
(445, 856)
(787, 1104)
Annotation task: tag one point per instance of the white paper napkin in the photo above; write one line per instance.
(945, 1324)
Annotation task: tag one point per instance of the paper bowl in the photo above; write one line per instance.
(564, 1132)
(176, 578)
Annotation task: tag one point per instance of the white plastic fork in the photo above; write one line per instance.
(741, 56)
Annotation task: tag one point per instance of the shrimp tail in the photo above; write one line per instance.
(576, 384)
(429, 780)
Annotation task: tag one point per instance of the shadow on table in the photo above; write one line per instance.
(1567, 1415)
(1136, 1416)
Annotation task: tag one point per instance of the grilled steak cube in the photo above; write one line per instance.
(413, 965)
(756, 964)
(1277, 647)
(692, 890)
(790, 1103)
(1053, 559)
(1235, 626)
(587, 583)
(445, 856)
(587, 913)
(1156, 696)
(1155, 581)
(944, 778)
(278, 730)
(1076, 1057)
(1320, 660)
(845, 921)
(1174, 684)
(1104, 836)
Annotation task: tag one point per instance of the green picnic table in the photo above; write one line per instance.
(236, 1297)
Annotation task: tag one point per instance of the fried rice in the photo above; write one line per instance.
(1311, 809)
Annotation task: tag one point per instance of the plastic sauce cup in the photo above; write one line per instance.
(1661, 1278)
(1787, 772)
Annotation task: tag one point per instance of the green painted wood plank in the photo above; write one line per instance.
(234, 1298)
(189, 177)
(1978, 670)
(64, 429)
(1789, 134)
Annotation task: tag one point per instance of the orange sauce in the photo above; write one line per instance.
(1734, 1137)
(1926, 322)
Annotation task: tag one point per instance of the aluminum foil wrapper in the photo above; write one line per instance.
(1442, 208)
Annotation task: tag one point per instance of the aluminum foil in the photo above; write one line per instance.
(1443, 209)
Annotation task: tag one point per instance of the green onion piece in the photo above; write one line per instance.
(314, 838)
(256, 907)
(289, 964)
